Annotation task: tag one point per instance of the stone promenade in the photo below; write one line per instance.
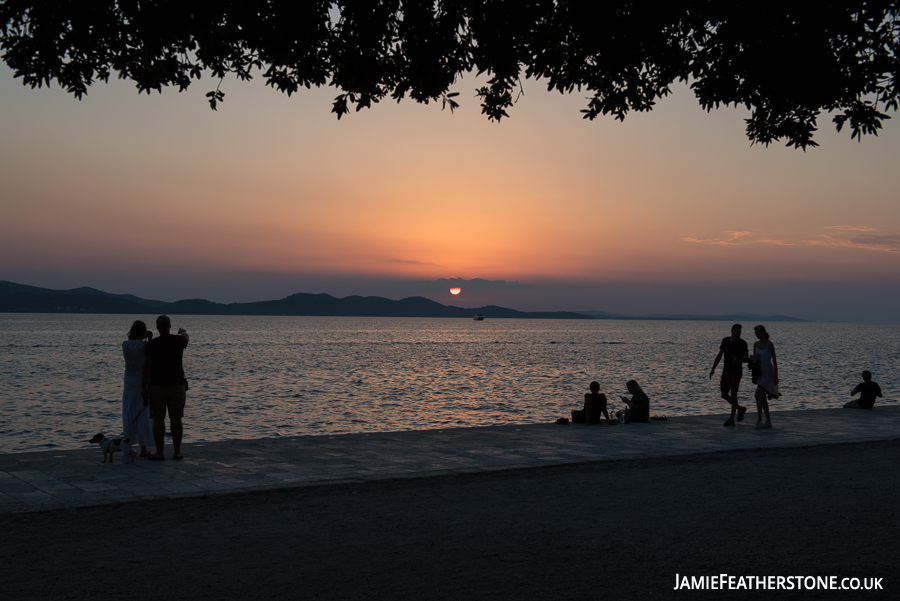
(64, 479)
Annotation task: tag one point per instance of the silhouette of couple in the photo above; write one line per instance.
(154, 386)
(764, 366)
(637, 408)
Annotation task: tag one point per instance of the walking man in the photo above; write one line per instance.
(163, 379)
(734, 349)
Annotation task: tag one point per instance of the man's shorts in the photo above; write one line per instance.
(169, 398)
(730, 382)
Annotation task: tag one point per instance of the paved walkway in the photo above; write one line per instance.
(59, 479)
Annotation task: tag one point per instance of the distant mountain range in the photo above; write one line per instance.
(19, 298)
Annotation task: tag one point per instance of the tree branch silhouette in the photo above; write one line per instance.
(787, 62)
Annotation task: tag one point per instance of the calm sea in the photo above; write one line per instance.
(252, 377)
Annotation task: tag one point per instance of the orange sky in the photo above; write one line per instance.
(119, 189)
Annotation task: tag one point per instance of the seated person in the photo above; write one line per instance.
(867, 390)
(638, 409)
(594, 406)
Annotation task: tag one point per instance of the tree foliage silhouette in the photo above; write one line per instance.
(787, 62)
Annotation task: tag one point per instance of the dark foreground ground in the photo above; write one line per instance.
(619, 530)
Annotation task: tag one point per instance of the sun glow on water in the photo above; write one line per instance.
(332, 375)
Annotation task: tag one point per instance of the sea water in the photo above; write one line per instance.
(254, 377)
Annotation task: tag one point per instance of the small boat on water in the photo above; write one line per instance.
(479, 317)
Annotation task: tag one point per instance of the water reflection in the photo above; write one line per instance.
(265, 376)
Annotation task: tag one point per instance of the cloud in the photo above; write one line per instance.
(847, 236)
(475, 291)
(732, 242)
(780, 242)
(478, 284)
(398, 261)
(851, 228)
(884, 243)
(708, 241)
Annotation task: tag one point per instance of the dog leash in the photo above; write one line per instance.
(132, 422)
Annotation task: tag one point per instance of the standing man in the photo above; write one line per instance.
(734, 349)
(163, 379)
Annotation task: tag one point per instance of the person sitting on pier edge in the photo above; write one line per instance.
(594, 406)
(867, 391)
(638, 409)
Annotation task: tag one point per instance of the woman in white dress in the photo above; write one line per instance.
(136, 422)
(767, 384)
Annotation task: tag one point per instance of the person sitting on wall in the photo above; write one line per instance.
(867, 391)
(638, 407)
(594, 406)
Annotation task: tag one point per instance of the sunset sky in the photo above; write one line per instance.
(672, 211)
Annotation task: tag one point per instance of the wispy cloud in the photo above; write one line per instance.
(734, 240)
(782, 242)
(480, 284)
(399, 261)
(884, 243)
(846, 236)
(851, 228)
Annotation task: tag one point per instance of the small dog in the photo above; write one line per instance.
(114, 445)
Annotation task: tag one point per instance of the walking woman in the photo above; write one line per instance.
(767, 384)
(138, 426)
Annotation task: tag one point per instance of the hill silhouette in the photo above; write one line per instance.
(18, 298)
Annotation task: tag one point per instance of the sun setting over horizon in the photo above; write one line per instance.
(381, 295)
(275, 191)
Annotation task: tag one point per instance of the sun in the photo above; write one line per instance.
(455, 291)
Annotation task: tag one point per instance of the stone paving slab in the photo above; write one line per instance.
(37, 481)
